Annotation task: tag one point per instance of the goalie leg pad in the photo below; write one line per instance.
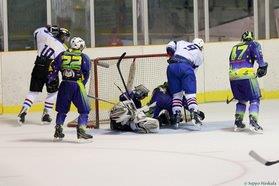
(146, 125)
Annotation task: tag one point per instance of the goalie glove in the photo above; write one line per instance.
(261, 71)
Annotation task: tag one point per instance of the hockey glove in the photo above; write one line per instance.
(52, 86)
(261, 71)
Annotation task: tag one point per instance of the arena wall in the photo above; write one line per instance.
(213, 83)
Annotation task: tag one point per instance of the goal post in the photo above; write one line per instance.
(149, 70)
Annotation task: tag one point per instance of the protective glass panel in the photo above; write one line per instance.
(201, 19)
(170, 20)
(113, 22)
(261, 17)
(1, 27)
(23, 18)
(73, 15)
(229, 19)
(274, 18)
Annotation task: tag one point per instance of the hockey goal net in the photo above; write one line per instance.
(149, 70)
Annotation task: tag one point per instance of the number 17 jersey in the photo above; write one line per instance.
(242, 58)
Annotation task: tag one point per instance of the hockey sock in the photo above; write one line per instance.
(240, 109)
(29, 100)
(49, 102)
(254, 108)
(177, 102)
(192, 101)
(60, 118)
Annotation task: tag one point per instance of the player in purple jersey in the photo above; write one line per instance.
(163, 109)
(75, 68)
(243, 80)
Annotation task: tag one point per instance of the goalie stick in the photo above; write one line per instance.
(100, 99)
(260, 159)
(121, 76)
(131, 76)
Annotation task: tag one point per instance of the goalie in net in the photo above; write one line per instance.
(159, 107)
(129, 115)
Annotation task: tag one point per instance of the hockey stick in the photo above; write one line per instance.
(100, 99)
(131, 75)
(260, 159)
(102, 64)
(229, 100)
(120, 73)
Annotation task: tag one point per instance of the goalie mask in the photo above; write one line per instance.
(141, 92)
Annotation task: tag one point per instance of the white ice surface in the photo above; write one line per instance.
(213, 156)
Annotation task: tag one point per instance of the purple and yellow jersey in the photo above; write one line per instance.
(242, 58)
(74, 66)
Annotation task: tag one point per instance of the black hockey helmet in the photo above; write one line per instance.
(247, 36)
(63, 35)
(141, 92)
(53, 29)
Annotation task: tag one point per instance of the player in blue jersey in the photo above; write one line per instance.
(243, 80)
(75, 68)
(185, 58)
(163, 109)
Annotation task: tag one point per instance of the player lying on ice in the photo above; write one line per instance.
(163, 109)
(127, 115)
(159, 107)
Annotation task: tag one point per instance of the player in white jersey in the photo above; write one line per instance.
(50, 43)
(185, 58)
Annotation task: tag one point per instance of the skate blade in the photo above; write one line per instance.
(57, 139)
(197, 125)
(252, 129)
(19, 122)
(82, 140)
(45, 123)
(236, 129)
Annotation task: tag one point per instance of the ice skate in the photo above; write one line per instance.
(196, 120)
(82, 135)
(238, 124)
(254, 126)
(176, 119)
(21, 116)
(46, 119)
(58, 135)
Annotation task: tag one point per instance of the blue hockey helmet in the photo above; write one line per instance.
(247, 36)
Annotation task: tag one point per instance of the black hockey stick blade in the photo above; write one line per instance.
(260, 159)
(229, 100)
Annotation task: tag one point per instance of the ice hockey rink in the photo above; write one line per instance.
(213, 156)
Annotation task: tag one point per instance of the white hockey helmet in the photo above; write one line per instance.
(198, 42)
(77, 43)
